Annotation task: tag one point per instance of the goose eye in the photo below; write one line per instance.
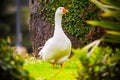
(60, 8)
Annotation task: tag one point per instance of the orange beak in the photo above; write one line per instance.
(64, 10)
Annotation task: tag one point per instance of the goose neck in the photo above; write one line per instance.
(58, 20)
(58, 26)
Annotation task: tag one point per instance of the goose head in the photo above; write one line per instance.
(61, 11)
(58, 20)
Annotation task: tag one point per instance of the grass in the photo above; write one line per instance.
(41, 70)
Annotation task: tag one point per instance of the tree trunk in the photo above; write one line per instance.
(40, 30)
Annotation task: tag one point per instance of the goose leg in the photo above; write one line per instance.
(61, 65)
(53, 66)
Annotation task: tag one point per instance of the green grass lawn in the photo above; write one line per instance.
(41, 70)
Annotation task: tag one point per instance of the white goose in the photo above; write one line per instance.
(58, 48)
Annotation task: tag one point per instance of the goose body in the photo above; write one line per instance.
(58, 48)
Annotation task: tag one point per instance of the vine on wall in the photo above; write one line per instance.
(74, 22)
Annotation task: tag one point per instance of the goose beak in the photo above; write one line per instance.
(64, 10)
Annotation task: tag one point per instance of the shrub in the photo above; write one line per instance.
(103, 63)
(11, 63)
(100, 63)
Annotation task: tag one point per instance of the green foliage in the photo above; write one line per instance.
(103, 64)
(74, 20)
(112, 12)
(41, 70)
(11, 64)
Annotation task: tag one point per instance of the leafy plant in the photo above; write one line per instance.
(112, 24)
(11, 64)
(102, 64)
(42, 70)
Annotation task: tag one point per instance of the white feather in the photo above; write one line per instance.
(58, 48)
